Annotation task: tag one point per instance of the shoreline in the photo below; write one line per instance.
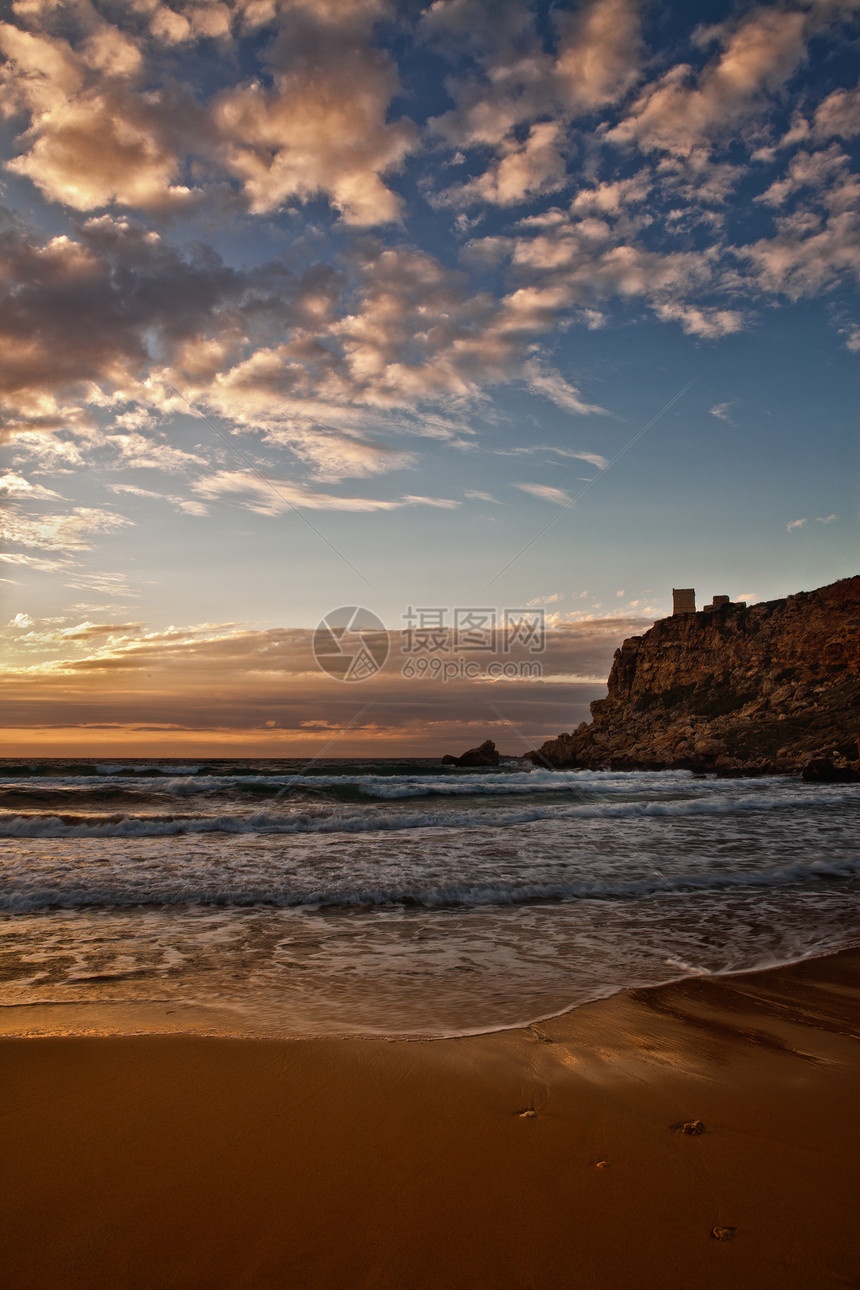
(79, 1019)
(550, 1154)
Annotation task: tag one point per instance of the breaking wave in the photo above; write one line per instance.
(333, 819)
(221, 888)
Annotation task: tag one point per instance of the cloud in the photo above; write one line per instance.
(115, 585)
(15, 486)
(187, 505)
(576, 263)
(113, 634)
(523, 100)
(554, 387)
(814, 170)
(317, 361)
(838, 114)
(92, 140)
(522, 170)
(546, 493)
(474, 495)
(756, 55)
(322, 128)
(36, 563)
(440, 503)
(215, 684)
(139, 294)
(273, 497)
(851, 332)
(196, 21)
(794, 524)
(709, 322)
(593, 458)
(73, 531)
(330, 361)
(806, 257)
(109, 124)
(599, 53)
(826, 519)
(721, 412)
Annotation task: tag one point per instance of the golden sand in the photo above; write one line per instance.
(552, 1156)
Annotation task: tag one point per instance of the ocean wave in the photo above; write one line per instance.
(369, 819)
(354, 788)
(196, 888)
(345, 788)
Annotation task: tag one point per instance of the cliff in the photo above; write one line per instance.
(765, 689)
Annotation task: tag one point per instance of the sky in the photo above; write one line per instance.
(529, 311)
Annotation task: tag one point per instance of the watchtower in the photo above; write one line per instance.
(683, 600)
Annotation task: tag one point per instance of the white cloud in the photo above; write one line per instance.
(187, 505)
(826, 519)
(838, 114)
(794, 524)
(599, 53)
(521, 171)
(322, 128)
(721, 412)
(15, 486)
(709, 322)
(755, 57)
(32, 562)
(274, 496)
(593, 458)
(522, 104)
(554, 387)
(73, 531)
(851, 332)
(546, 493)
(552, 599)
(92, 140)
(814, 170)
(803, 259)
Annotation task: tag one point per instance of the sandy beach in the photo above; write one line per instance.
(547, 1156)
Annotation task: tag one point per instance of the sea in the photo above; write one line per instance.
(397, 897)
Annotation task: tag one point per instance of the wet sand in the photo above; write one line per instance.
(550, 1156)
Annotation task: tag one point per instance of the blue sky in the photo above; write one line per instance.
(322, 302)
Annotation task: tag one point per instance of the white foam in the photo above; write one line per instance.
(346, 819)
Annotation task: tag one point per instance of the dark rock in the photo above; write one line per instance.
(486, 754)
(822, 771)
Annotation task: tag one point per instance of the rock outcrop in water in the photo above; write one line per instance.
(486, 754)
(736, 690)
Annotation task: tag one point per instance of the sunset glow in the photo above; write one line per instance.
(446, 307)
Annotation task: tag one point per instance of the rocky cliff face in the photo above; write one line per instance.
(765, 689)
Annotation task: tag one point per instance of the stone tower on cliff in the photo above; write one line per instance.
(683, 600)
